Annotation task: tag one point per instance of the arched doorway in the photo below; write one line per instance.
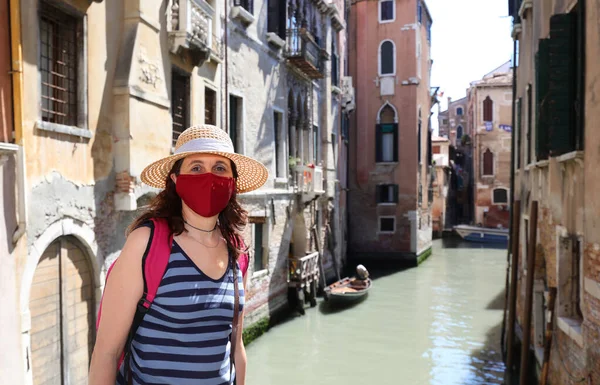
(62, 309)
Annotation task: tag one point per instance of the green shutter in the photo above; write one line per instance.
(562, 84)
(378, 144)
(395, 193)
(396, 143)
(541, 114)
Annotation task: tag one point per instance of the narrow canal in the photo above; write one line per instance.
(437, 324)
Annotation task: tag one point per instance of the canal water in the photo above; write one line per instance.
(437, 324)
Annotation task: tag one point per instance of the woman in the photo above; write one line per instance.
(184, 337)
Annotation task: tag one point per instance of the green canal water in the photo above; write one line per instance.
(439, 323)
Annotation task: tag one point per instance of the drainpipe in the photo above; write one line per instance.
(512, 199)
(17, 88)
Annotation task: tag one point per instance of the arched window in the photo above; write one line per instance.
(387, 58)
(488, 163)
(488, 110)
(386, 143)
(459, 132)
(459, 111)
(500, 196)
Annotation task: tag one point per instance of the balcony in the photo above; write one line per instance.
(304, 53)
(308, 181)
(190, 29)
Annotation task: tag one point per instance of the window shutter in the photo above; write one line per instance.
(378, 194)
(562, 84)
(541, 82)
(518, 133)
(395, 142)
(378, 144)
(273, 16)
(395, 193)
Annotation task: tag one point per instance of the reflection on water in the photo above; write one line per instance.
(435, 324)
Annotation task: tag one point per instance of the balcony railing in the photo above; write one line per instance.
(303, 52)
(303, 269)
(190, 29)
(308, 181)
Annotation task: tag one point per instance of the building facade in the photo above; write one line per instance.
(490, 115)
(440, 149)
(556, 169)
(452, 123)
(91, 91)
(389, 209)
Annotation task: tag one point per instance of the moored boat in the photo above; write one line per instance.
(349, 289)
(482, 234)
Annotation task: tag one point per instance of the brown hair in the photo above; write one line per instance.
(167, 205)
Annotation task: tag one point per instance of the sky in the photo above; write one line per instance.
(469, 38)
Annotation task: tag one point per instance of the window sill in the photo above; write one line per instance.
(260, 274)
(387, 204)
(274, 39)
(573, 155)
(572, 328)
(386, 232)
(387, 21)
(63, 129)
(242, 15)
(8, 148)
(592, 287)
(386, 163)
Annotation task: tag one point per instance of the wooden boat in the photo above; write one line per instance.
(482, 234)
(347, 290)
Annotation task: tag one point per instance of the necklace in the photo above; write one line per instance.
(205, 245)
(199, 229)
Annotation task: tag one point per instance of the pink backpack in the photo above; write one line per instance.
(154, 265)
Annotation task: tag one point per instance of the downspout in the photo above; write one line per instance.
(17, 89)
(512, 195)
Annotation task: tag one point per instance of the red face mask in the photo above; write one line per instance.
(206, 194)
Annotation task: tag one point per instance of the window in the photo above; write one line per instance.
(345, 126)
(529, 123)
(386, 193)
(235, 120)
(387, 11)
(62, 73)
(444, 121)
(488, 163)
(436, 150)
(248, 5)
(387, 224)
(488, 110)
(459, 111)
(315, 146)
(335, 61)
(387, 58)
(210, 106)
(518, 132)
(419, 140)
(569, 251)
(386, 143)
(180, 102)
(280, 141)
(564, 98)
(459, 132)
(500, 196)
(276, 17)
(419, 12)
(260, 244)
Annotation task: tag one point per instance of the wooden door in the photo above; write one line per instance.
(62, 316)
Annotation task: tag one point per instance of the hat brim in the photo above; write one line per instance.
(252, 174)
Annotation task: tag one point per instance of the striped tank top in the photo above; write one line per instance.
(184, 338)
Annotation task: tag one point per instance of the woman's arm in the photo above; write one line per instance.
(122, 292)
(240, 351)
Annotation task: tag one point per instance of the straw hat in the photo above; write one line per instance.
(207, 139)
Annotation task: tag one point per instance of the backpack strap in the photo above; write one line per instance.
(154, 265)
